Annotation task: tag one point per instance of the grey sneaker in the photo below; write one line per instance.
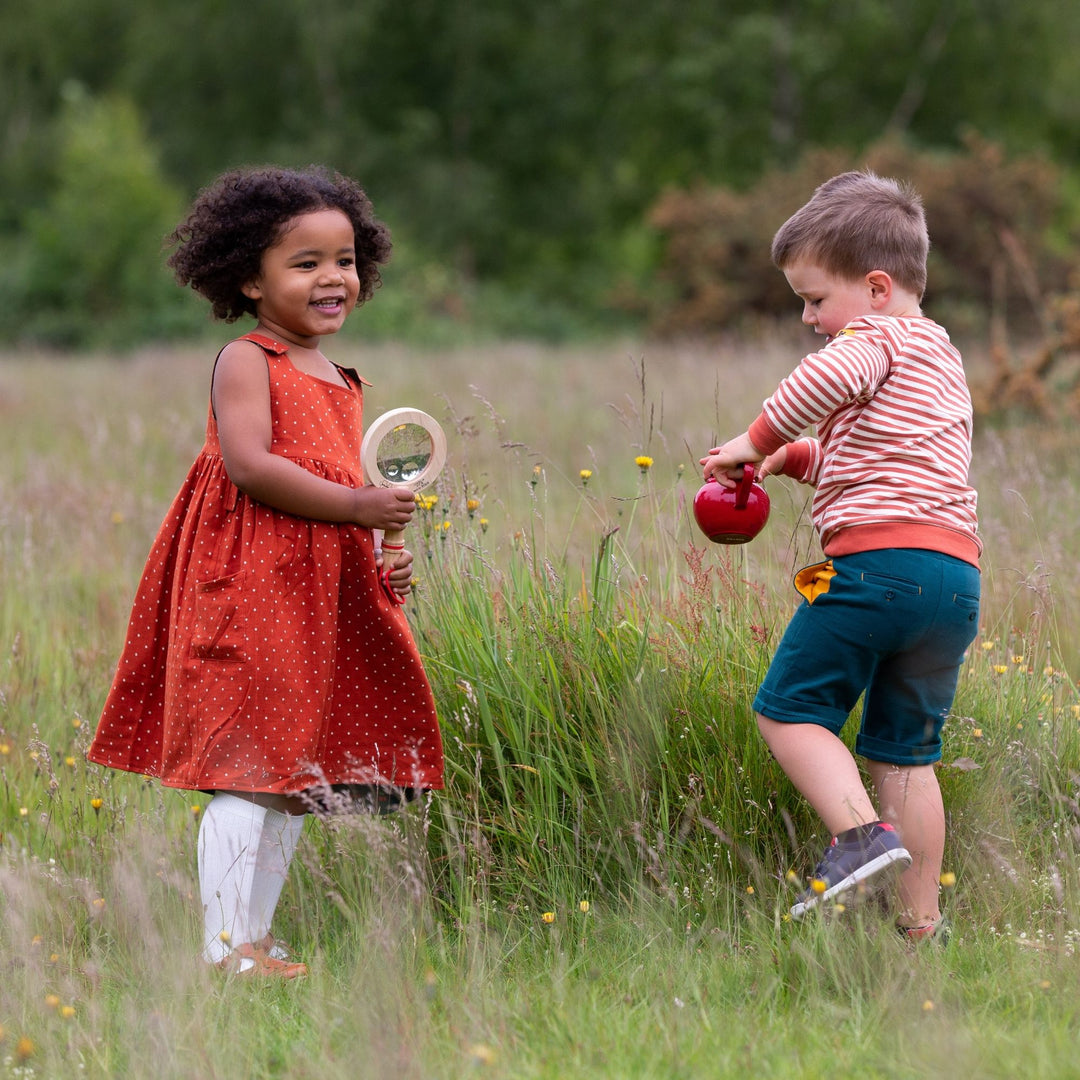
(855, 856)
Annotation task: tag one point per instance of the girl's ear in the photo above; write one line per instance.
(252, 290)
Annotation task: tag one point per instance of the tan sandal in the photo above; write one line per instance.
(262, 963)
(275, 949)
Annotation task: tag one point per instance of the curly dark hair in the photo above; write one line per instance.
(219, 246)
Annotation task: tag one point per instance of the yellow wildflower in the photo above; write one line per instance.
(818, 886)
(548, 916)
(472, 506)
(484, 524)
(52, 1001)
(585, 476)
(1000, 669)
(25, 1048)
(481, 1054)
(643, 462)
(67, 1011)
(96, 804)
(947, 879)
(583, 906)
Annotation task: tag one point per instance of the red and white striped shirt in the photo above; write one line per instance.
(890, 463)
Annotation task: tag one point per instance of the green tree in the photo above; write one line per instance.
(90, 266)
(523, 144)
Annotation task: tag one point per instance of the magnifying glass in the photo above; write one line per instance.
(402, 448)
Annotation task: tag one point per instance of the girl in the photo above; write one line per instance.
(267, 658)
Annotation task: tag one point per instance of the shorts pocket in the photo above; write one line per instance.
(967, 604)
(892, 585)
(219, 632)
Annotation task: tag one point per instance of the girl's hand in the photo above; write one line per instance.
(401, 576)
(726, 462)
(386, 508)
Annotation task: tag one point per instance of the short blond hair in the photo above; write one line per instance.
(857, 222)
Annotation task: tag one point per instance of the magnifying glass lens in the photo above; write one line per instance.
(404, 453)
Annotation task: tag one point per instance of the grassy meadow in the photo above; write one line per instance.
(601, 889)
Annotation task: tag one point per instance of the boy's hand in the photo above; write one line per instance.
(726, 462)
(773, 465)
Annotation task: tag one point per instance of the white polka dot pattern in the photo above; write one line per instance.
(262, 653)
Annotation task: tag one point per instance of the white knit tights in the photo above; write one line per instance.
(244, 854)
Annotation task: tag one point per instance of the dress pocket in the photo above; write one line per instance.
(220, 631)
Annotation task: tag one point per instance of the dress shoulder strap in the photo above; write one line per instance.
(269, 344)
(277, 348)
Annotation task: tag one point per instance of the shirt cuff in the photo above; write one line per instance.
(764, 436)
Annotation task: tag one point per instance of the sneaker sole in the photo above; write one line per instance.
(896, 859)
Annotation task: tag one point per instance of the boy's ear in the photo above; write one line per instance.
(881, 286)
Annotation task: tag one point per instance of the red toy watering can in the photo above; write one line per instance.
(732, 515)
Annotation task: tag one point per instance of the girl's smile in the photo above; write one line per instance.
(307, 283)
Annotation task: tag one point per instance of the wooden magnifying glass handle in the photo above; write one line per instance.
(393, 544)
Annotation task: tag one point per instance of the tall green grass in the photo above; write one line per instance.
(601, 888)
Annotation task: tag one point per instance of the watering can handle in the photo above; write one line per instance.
(742, 492)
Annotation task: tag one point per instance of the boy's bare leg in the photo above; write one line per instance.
(823, 770)
(910, 800)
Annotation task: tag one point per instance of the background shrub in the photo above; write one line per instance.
(995, 246)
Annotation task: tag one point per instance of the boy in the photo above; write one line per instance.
(892, 610)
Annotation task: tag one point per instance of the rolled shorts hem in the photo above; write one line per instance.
(790, 712)
(895, 753)
(786, 711)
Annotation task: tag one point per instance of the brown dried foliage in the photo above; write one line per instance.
(996, 237)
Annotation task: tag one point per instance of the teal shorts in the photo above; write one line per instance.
(891, 626)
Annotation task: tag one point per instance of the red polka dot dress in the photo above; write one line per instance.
(262, 653)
